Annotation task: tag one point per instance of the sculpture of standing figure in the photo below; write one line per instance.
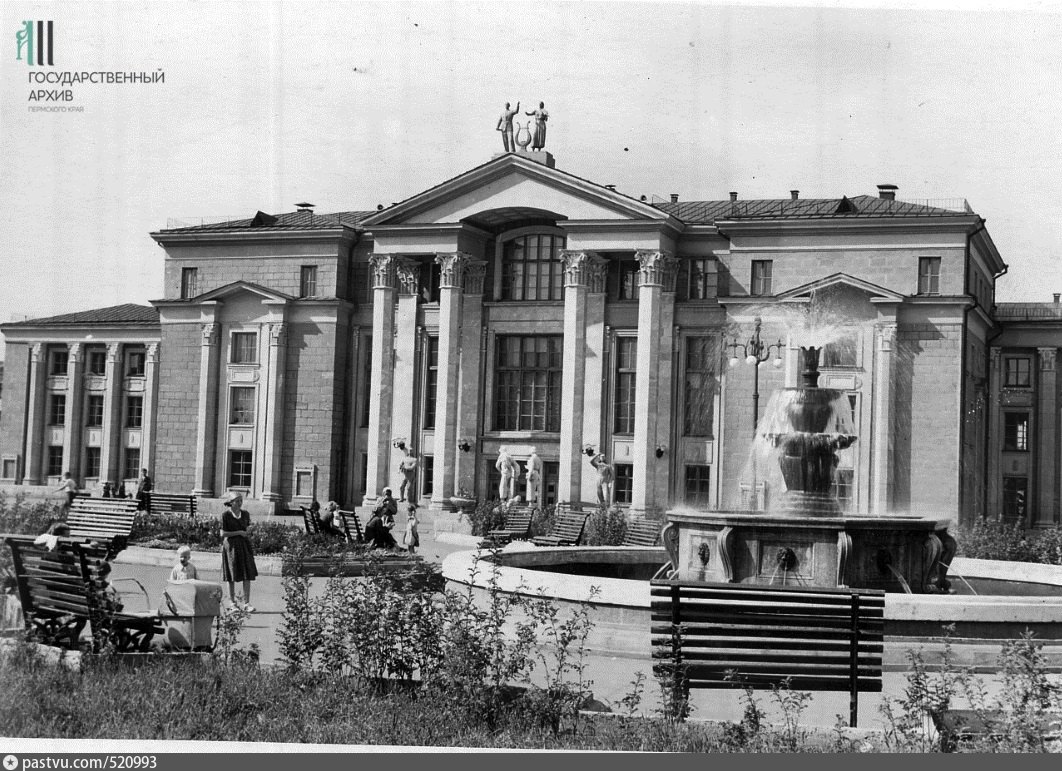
(509, 471)
(538, 140)
(408, 467)
(534, 478)
(505, 126)
(605, 477)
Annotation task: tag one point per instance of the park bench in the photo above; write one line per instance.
(172, 503)
(567, 529)
(310, 522)
(347, 521)
(516, 526)
(641, 532)
(717, 635)
(107, 520)
(62, 590)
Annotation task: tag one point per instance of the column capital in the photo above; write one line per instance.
(113, 349)
(475, 272)
(35, 350)
(152, 353)
(278, 334)
(408, 273)
(383, 270)
(994, 353)
(1047, 359)
(74, 352)
(582, 268)
(210, 334)
(452, 267)
(656, 268)
(886, 337)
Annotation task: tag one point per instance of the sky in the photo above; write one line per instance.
(350, 105)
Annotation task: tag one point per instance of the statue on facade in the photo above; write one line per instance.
(505, 126)
(538, 139)
(606, 475)
(408, 468)
(509, 471)
(534, 479)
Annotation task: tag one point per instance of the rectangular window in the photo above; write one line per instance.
(55, 461)
(189, 283)
(1017, 372)
(762, 277)
(699, 285)
(623, 488)
(626, 382)
(10, 468)
(244, 348)
(1015, 493)
(623, 280)
(366, 396)
(131, 467)
(841, 353)
(94, 410)
(1016, 431)
(57, 358)
(92, 462)
(698, 485)
(134, 411)
(700, 385)
(241, 405)
(844, 488)
(240, 468)
(527, 383)
(134, 362)
(97, 361)
(531, 268)
(57, 410)
(308, 281)
(929, 275)
(430, 282)
(431, 380)
(427, 481)
(303, 484)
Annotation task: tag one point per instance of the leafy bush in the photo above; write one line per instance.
(27, 518)
(203, 533)
(605, 527)
(995, 540)
(542, 520)
(484, 516)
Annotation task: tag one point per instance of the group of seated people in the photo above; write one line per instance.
(377, 529)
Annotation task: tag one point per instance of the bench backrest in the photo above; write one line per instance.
(310, 522)
(738, 635)
(642, 532)
(351, 526)
(101, 517)
(171, 503)
(569, 526)
(518, 521)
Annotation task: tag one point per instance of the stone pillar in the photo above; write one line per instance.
(381, 373)
(597, 341)
(273, 446)
(656, 282)
(72, 429)
(994, 498)
(35, 408)
(470, 394)
(881, 449)
(111, 451)
(450, 295)
(580, 268)
(151, 390)
(207, 412)
(1046, 439)
(404, 401)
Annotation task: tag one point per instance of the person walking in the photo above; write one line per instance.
(69, 486)
(144, 487)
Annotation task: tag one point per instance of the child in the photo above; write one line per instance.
(184, 570)
(412, 538)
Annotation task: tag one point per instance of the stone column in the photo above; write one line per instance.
(881, 449)
(656, 282)
(207, 412)
(994, 499)
(381, 373)
(273, 446)
(35, 408)
(151, 390)
(1046, 439)
(580, 268)
(111, 452)
(72, 429)
(470, 395)
(450, 295)
(404, 402)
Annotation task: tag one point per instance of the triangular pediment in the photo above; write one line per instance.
(506, 189)
(237, 288)
(839, 280)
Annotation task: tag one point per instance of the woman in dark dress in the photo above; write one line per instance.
(237, 557)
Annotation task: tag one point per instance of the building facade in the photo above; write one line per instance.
(520, 307)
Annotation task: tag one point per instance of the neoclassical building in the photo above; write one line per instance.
(520, 306)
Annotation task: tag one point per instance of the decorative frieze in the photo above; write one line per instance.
(656, 268)
(408, 272)
(383, 271)
(584, 269)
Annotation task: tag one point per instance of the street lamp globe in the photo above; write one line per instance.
(751, 359)
(777, 362)
(733, 361)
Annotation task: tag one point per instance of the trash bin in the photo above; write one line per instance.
(188, 610)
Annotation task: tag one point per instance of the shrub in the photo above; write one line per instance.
(605, 527)
(203, 533)
(484, 516)
(542, 520)
(996, 540)
(27, 518)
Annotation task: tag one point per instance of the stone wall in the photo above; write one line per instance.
(177, 407)
(12, 421)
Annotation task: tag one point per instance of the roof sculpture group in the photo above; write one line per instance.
(523, 136)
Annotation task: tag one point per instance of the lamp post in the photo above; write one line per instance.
(755, 353)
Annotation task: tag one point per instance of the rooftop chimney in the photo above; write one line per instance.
(733, 197)
(611, 187)
(1057, 296)
(795, 194)
(643, 198)
(304, 207)
(887, 192)
(674, 198)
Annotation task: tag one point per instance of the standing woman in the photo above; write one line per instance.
(237, 557)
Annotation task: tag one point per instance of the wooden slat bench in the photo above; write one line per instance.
(642, 532)
(172, 503)
(108, 520)
(351, 526)
(515, 527)
(567, 530)
(310, 522)
(62, 591)
(715, 635)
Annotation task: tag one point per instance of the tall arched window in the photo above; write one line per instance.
(531, 268)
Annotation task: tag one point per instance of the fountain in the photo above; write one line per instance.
(804, 539)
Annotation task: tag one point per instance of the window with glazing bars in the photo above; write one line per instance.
(244, 348)
(189, 283)
(698, 485)
(431, 380)
(94, 410)
(97, 361)
(699, 284)
(527, 383)
(92, 462)
(131, 467)
(531, 268)
(762, 277)
(1017, 372)
(55, 460)
(57, 358)
(240, 468)
(626, 382)
(929, 275)
(1016, 431)
(308, 281)
(699, 393)
(623, 489)
(134, 411)
(57, 410)
(241, 408)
